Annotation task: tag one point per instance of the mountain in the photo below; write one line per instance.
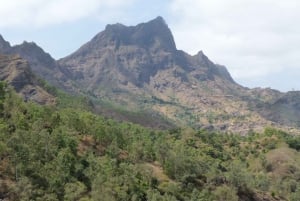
(135, 54)
(41, 63)
(16, 72)
(4, 45)
(66, 152)
(284, 110)
(140, 68)
(137, 70)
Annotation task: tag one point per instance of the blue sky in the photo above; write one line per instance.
(257, 40)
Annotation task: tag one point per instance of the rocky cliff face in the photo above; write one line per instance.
(122, 54)
(16, 72)
(139, 68)
(4, 45)
(284, 110)
(40, 62)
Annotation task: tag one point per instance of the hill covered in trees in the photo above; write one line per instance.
(65, 152)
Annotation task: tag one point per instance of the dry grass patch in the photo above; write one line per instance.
(282, 162)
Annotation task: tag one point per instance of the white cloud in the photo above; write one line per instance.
(40, 13)
(252, 37)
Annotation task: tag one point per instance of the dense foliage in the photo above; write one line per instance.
(68, 153)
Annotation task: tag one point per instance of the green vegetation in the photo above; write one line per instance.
(65, 152)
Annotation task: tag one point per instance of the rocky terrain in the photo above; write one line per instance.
(16, 72)
(138, 68)
(41, 63)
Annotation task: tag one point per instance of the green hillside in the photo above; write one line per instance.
(68, 153)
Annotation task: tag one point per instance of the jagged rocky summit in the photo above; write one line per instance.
(138, 68)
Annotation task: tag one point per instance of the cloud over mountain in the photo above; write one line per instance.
(42, 13)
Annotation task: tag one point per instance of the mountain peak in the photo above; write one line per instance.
(31, 51)
(159, 20)
(26, 43)
(4, 45)
(1, 38)
(17, 72)
(154, 35)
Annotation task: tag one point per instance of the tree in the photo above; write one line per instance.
(73, 191)
(3, 88)
(296, 195)
(225, 193)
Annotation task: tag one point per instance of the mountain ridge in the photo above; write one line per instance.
(16, 71)
(41, 62)
(139, 68)
(119, 68)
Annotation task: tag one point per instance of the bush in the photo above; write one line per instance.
(225, 193)
(294, 142)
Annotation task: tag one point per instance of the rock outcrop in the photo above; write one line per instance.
(41, 63)
(16, 72)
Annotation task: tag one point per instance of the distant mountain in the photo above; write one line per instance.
(134, 55)
(284, 110)
(139, 69)
(4, 45)
(16, 72)
(40, 62)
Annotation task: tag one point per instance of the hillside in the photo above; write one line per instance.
(16, 72)
(205, 137)
(129, 117)
(285, 110)
(68, 153)
(41, 63)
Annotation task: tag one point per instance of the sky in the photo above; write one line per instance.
(257, 40)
